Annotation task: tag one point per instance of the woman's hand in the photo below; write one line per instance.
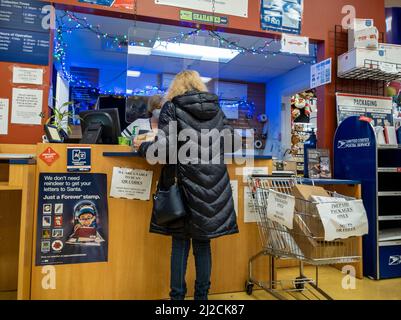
(137, 142)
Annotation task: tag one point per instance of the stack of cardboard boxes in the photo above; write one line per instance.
(365, 51)
(308, 230)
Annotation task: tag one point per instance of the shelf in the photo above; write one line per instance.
(390, 235)
(390, 218)
(389, 170)
(389, 193)
(389, 243)
(388, 147)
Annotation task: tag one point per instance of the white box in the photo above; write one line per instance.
(356, 59)
(392, 52)
(367, 38)
(357, 25)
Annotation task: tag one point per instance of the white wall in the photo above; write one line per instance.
(286, 85)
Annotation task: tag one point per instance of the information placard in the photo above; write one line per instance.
(27, 106)
(72, 224)
(4, 105)
(283, 16)
(131, 184)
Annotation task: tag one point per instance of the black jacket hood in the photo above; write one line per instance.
(201, 105)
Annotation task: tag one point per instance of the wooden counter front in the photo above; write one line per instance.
(138, 264)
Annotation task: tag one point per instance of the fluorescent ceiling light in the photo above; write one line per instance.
(143, 51)
(206, 79)
(192, 51)
(133, 73)
(129, 91)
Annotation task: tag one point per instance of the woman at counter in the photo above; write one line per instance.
(205, 188)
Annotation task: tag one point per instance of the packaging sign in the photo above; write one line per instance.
(78, 159)
(284, 16)
(131, 184)
(72, 225)
(295, 44)
(231, 7)
(280, 208)
(379, 109)
(24, 32)
(49, 156)
(342, 220)
(186, 15)
(321, 73)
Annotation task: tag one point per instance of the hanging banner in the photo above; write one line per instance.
(342, 220)
(284, 16)
(72, 224)
(294, 44)
(232, 7)
(321, 73)
(379, 109)
(131, 184)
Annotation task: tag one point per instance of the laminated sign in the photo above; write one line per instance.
(342, 220)
(280, 208)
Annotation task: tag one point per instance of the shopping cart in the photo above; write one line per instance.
(299, 243)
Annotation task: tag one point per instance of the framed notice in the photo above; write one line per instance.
(27, 106)
(284, 16)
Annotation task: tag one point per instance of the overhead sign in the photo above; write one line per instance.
(295, 44)
(284, 16)
(232, 7)
(126, 4)
(24, 32)
(186, 15)
(321, 73)
(72, 223)
(379, 109)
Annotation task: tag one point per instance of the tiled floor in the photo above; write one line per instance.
(330, 280)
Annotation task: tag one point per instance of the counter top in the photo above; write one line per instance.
(136, 154)
(17, 158)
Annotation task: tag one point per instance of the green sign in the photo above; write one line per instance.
(202, 17)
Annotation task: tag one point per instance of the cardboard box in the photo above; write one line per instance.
(392, 52)
(359, 58)
(367, 38)
(308, 210)
(357, 25)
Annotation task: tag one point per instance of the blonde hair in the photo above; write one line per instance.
(155, 102)
(183, 82)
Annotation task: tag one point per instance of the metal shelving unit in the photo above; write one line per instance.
(379, 169)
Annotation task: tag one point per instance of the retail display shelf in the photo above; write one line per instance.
(385, 146)
(389, 170)
(390, 234)
(389, 193)
(390, 218)
(390, 243)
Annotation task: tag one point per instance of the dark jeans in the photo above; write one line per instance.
(203, 264)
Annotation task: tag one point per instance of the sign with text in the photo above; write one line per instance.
(344, 219)
(283, 16)
(321, 73)
(27, 76)
(251, 214)
(26, 106)
(295, 44)
(72, 224)
(4, 104)
(186, 15)
(49, 156)
(126, 4)
(131, 184)
(231, 7)
(24, 32)
(379, 109)
(78, 159)
(280, 208)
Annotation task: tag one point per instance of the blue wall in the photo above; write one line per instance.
(393, 19)
(288, 84)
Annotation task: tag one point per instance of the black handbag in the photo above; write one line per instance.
(168, 205)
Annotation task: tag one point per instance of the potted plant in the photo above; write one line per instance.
(61, 117)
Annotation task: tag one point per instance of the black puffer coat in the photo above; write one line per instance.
(205, 188)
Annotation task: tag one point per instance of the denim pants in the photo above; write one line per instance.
(203, 265)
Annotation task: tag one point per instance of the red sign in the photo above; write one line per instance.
(49, 156)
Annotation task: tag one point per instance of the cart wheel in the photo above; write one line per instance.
(300, 284)
(248, 288)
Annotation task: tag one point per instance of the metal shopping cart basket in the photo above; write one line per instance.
(300, 243)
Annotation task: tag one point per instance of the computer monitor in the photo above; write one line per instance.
(110, 101)
(100, 126)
